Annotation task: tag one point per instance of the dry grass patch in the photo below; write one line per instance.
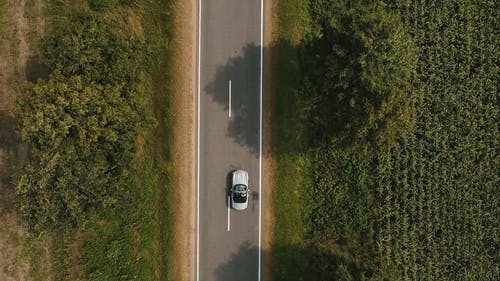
(12, 264)
(22, 257)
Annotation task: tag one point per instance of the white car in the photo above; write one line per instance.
(239, 190)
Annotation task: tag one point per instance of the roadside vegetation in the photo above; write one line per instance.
(96, 119)
(386, 115)
(81, 123)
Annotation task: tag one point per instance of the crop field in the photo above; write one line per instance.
(428, 208)
(438, 192)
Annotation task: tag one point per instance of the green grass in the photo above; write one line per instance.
(158, 28)
(292, 170)
(124, 245)
(293, 20)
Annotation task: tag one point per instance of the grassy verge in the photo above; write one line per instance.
(288, 140)
(143, 233)
(158, 29)
(133, 241)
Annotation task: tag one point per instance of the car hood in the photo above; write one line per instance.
(240, 177)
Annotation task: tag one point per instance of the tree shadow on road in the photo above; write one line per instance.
(282, 99)
(291, 263)
(242, 266)
(244, 73)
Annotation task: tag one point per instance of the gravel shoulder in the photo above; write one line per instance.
(183, 147)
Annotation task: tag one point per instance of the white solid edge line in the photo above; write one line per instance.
(198, 152)
(261, 197)
(229, 98)
(228, 215)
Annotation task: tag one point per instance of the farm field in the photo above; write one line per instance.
(425, 208)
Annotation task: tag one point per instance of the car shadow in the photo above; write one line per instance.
(227, 189)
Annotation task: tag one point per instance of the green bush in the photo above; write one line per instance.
(131, 3)
(101, 5)
(96, 49)
(82, 139)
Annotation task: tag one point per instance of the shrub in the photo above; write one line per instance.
(131, 3)
(82, 138)
(95, 49)
(101, 5)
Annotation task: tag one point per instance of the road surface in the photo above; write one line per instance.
(229, 137)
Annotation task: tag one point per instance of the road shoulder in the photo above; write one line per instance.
(183, 147)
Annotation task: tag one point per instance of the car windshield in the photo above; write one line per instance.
(240, 193)
(240, 188)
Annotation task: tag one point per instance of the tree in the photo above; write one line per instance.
(82, 138)
(94, 48)
(362, 64)
(81, 124)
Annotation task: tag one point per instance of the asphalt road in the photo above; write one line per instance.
(228, 138)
